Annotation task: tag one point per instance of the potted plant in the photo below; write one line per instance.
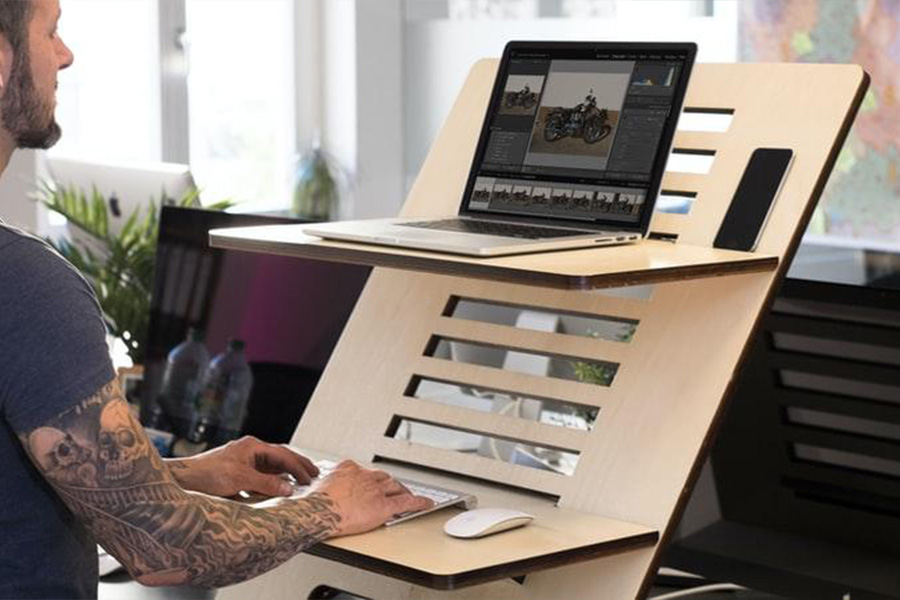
(120, 267)
(317, 188)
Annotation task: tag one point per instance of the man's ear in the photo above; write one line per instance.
(6, 57)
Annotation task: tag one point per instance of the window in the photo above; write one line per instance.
(108, 101)
(241, 100)
(238, 71)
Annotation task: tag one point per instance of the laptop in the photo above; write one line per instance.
(571, 154)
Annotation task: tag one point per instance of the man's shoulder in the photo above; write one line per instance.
(16, 244)
(10, 235)
(24, 254)
(33, 271)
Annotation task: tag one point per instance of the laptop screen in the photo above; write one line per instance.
(579, 132)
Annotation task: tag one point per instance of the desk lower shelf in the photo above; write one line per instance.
(651, 261)
(419, 552)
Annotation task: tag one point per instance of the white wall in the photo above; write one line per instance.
(308, 65)
(380, 106)
(362, 101)
(17, 183)
(436, 63)
(339, 80)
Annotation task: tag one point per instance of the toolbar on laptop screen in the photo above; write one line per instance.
(577, 134)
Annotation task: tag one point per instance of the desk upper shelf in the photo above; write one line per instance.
(651, 261)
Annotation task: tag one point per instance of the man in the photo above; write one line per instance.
(78, 469)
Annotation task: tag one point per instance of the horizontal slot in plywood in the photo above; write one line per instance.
(479, 376)
(471, 465)
(426, 389)
(675, 203)
(493, 424)
(530, 456)
(698, 162)
(700, 120)
(487, 311)
(523, 361)
(514, 339)
(564, 303)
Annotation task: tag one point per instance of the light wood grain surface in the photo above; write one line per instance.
(421, 544)
(651, 261)
(655, 421)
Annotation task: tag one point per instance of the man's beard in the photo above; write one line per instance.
(24, 114)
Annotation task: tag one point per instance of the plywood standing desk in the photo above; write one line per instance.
(600, 530)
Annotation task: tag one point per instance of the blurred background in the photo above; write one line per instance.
(240, 89)
(325, 109)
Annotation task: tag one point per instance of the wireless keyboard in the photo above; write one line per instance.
(441, 497)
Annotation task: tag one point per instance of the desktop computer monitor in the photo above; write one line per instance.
(290, 313)
(127, 187)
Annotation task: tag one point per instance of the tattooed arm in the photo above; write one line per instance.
(100, 462)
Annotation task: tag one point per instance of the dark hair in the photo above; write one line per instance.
(14, 18)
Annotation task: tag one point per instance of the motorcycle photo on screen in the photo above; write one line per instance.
(521, 195)
(584, 120)
(521, 95)
(524, 98)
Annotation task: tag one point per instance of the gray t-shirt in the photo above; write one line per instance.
(53, 354)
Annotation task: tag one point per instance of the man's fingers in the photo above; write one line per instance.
(272, 458)
(403, 503)
(270, 485)
(379, 475)
(311, 467)
(394, 487)
(307, 464)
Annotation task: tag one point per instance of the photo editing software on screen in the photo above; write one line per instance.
(575, 134)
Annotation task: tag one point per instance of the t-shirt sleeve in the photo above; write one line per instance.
(52, 336)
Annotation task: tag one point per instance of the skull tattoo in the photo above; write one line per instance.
(120, 450)
(61, 456)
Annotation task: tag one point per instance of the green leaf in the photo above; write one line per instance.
(122, 273)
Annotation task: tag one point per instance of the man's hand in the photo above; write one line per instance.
(364, 499)
(246, 464)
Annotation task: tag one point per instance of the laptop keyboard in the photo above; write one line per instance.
(441, 497)
(514, 230)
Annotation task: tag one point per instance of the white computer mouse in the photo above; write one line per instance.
(485, 521)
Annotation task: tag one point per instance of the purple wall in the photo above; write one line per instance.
(287, 310)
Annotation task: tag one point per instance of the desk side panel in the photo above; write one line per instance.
(638, 463)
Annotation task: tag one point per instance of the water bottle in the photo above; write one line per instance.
(181, 380)
(222, 407)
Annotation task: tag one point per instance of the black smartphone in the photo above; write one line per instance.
(753, 200)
